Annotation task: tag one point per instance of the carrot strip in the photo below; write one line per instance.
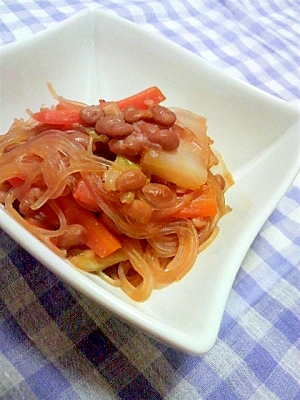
(99, 238)
(58, 116)
(205, 205)
(16, 181)
(141, 100)
(82, 194)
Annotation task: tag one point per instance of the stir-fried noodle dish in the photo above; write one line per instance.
(129, 190)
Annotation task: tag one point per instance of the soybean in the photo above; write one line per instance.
(158, 195)
(131, 180)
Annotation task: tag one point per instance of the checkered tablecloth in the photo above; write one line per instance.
(85, 352)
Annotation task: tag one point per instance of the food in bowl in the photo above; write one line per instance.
(129, 190)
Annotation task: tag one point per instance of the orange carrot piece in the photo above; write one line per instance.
(82, 194)
(58, 116)
(151, 95)
(205, 205)
(16, 181)
(99, 238)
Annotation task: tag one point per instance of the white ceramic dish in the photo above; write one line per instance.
(92, 56)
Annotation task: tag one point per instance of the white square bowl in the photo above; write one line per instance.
(94, 55)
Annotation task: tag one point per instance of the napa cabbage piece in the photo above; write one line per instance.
(185, 167)
(188, 165)
(194, 122)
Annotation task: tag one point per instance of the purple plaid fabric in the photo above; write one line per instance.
(57, 344)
